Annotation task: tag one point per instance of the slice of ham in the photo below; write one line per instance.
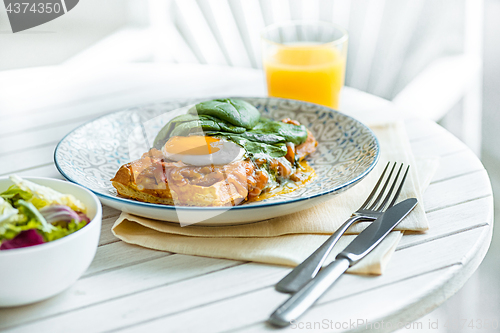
(304, 149)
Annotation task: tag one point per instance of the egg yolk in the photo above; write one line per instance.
(191, 145)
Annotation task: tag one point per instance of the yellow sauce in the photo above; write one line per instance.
(288, 186)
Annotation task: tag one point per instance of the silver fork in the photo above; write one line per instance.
(369, 211)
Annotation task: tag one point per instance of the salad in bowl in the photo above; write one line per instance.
(32, 214)
(49, 233)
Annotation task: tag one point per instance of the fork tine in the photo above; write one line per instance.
(388, 195)
(377, 200)
(372, 194)
(400, 188)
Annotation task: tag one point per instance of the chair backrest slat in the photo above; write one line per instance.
(368, 38)
(339, 13)
(267, 14)
(390, 41)
(280, 10)
(438, 31)
(304, 10)
(177, 47)
(222, 22)
(169, 45)
(193, 25)
(395, 43)
(248, 17)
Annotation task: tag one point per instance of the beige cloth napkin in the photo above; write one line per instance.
(290, 239)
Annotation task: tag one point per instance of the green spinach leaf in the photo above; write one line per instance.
(254, 148)
(290, 132)
(233, 111)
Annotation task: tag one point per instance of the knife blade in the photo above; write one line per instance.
(363, 244)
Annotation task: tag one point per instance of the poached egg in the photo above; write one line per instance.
(202, 150)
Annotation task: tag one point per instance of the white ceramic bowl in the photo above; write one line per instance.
(32, 274)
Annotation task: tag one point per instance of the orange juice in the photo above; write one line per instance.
(311, 73)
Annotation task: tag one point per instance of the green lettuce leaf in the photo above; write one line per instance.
(12, 229)
(61, 231)
(7, 211)
(8, 215)
(43, 196)
(28, 209)
(14, 193)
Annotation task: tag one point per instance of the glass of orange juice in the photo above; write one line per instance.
(305, 60)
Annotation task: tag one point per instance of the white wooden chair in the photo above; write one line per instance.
(425, 56)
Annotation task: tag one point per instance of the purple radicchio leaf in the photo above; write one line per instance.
(24, 239)
(83, 217)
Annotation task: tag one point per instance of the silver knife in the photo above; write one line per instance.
(367, 240)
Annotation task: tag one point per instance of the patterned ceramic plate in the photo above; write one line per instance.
(91, 154)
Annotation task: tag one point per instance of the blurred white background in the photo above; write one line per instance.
(92, 20)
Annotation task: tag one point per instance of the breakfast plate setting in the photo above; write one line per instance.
(92, 154)
(228, 164)
(266, 173)
(229, 266)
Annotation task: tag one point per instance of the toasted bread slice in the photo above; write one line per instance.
(150, 184)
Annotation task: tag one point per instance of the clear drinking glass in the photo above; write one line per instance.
(305, 60)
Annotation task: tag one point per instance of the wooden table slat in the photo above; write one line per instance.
(119, 255)
(48, 170)
(107, 236)
(437, 145)
(451, 220)
(26, 159)
(457, 164)
(249, 308)
(453, 191)
(178, 297)
(116, 284)
(347, 310)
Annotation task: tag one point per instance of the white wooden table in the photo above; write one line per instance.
(131, 289)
